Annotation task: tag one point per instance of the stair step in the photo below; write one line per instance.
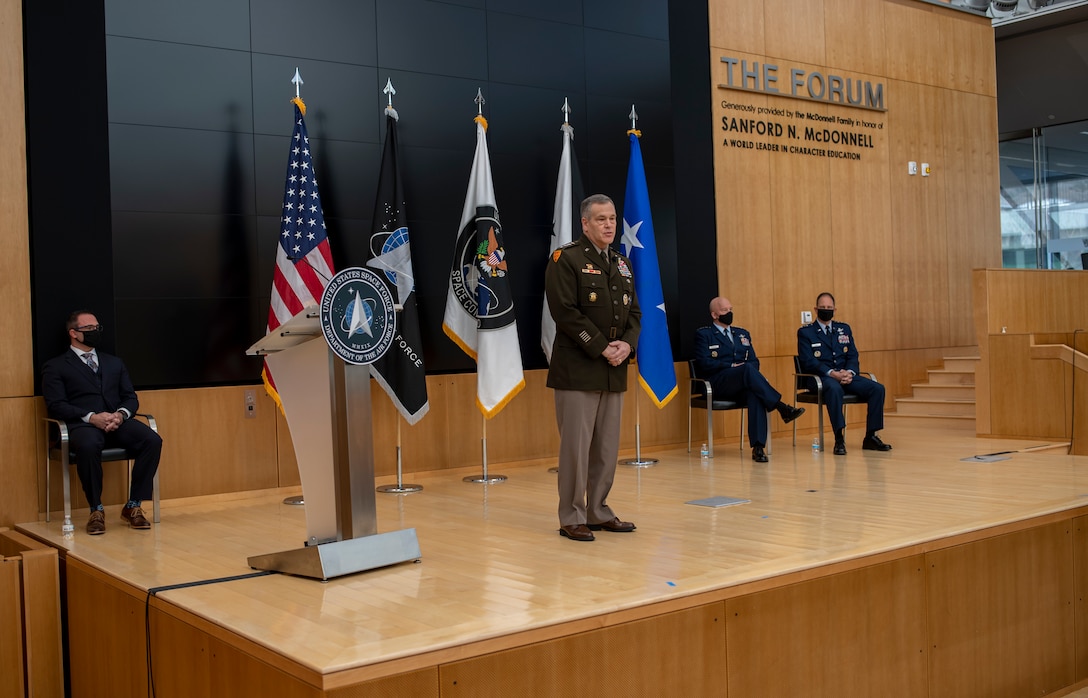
(946, 408)
(894, 419)
(930, 391)
(961, 363)
(946, 377)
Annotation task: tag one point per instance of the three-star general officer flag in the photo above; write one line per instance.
(656, 372)
(400, 371)
(479, 306)
(565, 222)
(303, 258)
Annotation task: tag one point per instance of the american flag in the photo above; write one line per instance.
(303, 258)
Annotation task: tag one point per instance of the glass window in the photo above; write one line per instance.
(1044, 198)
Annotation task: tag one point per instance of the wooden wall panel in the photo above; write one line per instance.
(208, 444)
(803, 238)
(921, 265)
(17, 368)
(863, 244)
(19, 495)
(969, 51)
(979, 591)
(736, 27)
(1080, 596)
(12, 681)
(968, 154)
(96, 657)
(685, 658)
(1022, 406)
(415, 684)
(854, 34)
(824, 637)
(796, 30)
(912, 34)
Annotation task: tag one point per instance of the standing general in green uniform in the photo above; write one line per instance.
(591, 295)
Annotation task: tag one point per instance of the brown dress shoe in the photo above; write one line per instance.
(615, 526)
(576, 532)
(135, 517)
(96, 525)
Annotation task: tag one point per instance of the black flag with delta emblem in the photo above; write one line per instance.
(400, 372)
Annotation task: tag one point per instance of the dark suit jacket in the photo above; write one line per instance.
(71, 389)
(713, 352)
(818, 354)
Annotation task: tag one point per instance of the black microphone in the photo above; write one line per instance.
(316, 271)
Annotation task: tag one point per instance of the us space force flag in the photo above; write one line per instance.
(400, 371)
(565, 221)
(479, 306)
(656, 372)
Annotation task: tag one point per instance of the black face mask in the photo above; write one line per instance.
(726, 319)
(825, 315)
(92, 337)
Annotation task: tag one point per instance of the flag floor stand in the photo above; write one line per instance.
(295, 501)
(638, 461)
(484, 478)
(400, 487)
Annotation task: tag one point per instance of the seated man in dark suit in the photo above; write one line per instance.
(725, 356)
(827, 348)
(91, 392)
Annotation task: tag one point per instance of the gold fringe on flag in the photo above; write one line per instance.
(301, 105)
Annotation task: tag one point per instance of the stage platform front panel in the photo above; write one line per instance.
(495, 574)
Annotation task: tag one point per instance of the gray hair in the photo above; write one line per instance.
(592, 200)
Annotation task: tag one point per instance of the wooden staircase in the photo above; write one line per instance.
(947, 395)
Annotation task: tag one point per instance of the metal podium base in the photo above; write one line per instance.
(342, 557)
(488, 480)
(295, 500)
(639, 462)
(399, 489)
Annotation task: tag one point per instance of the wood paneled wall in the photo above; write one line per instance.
(1018, 393)
(896, 250)
(17, 497)
(985, 613)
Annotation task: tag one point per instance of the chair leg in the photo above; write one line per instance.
(820, 419)
(689, 427)
(709, 431)
(155, 491)
(48, 463)
(65, 468)
(743, 414)
(768, 441)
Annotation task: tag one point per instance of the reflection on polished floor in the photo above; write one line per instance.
(495, 572)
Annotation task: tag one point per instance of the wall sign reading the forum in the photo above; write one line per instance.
(802, 132)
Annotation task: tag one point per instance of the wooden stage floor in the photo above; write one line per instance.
(495, 573)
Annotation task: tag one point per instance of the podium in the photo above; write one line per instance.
(327, 405)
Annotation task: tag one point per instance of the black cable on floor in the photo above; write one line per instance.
(154, 591)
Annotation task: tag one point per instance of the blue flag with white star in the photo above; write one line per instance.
(656, 372)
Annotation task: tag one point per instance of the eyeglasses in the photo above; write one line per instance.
(88, 328)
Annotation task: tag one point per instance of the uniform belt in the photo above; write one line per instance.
(613, 332)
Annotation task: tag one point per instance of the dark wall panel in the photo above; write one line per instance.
(164, 84)
(187, 121)
(220, 23)
(329, 30)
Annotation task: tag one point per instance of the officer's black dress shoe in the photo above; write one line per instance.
(791, 413)
(840, 448)
(873, 443)
(758, 455)
(577, 532)
(615, 526)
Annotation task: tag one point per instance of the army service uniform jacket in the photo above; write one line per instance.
(591, 307)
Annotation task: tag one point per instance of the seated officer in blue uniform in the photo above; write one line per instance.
(725, 356)
(827, 348)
